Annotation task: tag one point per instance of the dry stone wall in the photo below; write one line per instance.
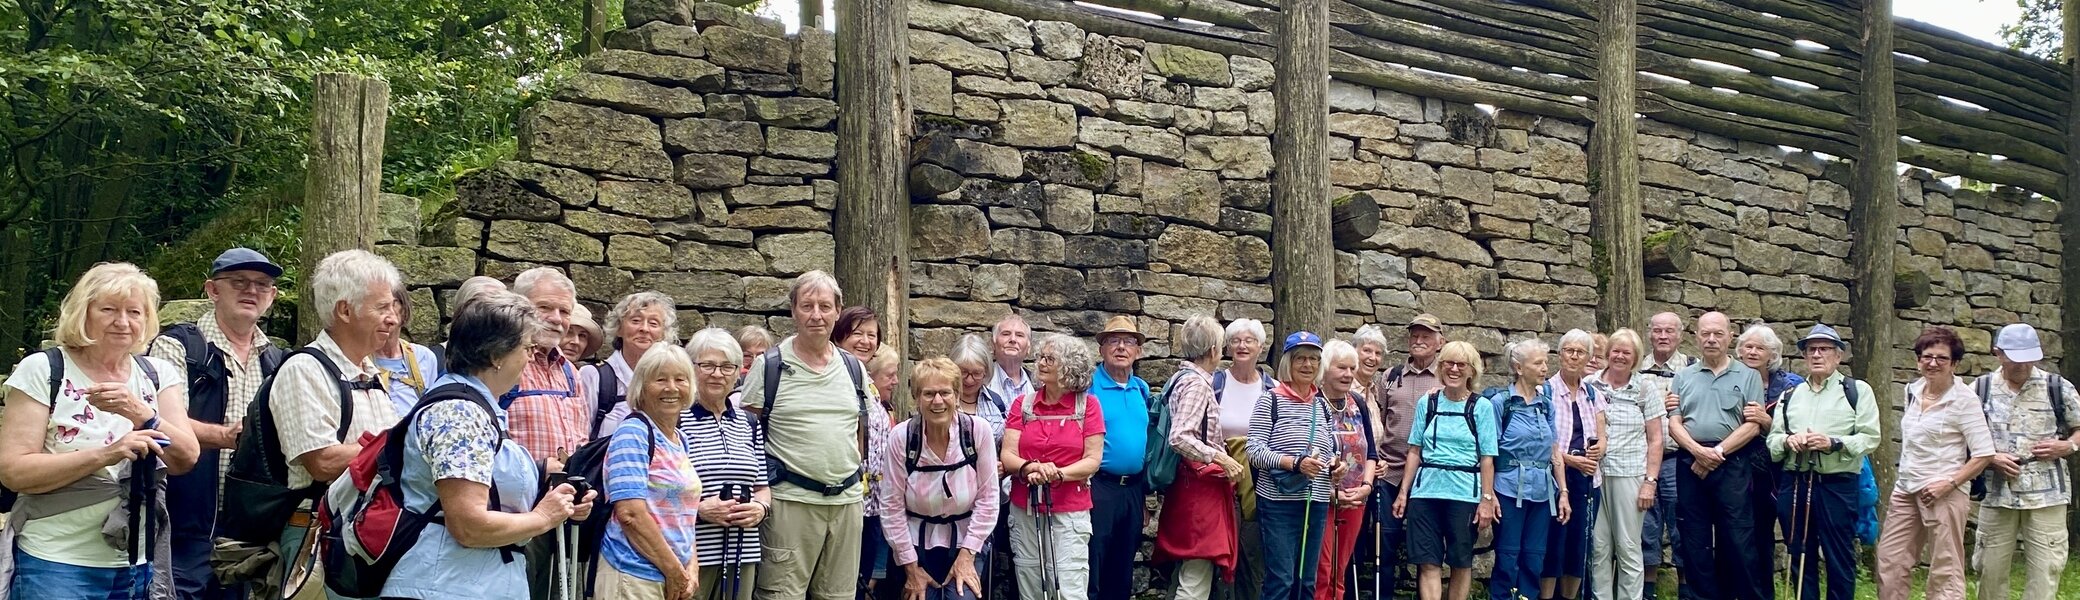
(1070, 176)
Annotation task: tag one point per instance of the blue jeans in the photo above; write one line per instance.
(1660, 522)
(937, 563)
(46, 580)
(1520, 549)
(1289, 560)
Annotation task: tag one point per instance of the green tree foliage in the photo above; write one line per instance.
(128, 125)
(2038, 31)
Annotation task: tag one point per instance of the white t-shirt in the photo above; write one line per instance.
(74, 538)
(1238, 399)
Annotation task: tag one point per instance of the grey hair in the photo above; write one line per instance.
(1284, 372)
(345, 276)
(1770, 341)
(972, 351)
(1250, 326)
(753, 333)
(637, 302)
(1334, 351)
(1075, 362)
(1577, 336)
(1202, 335)
(1369, 334)
(999, 327)
(492, 324)
(667, 356)
(1521, 351)
(715, 338)
(814, 281)
(475, 288)
(529, 280)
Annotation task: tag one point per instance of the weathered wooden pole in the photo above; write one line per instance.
(1874, 217)
(2069, 230)
(595, 26)
(1303, 257)
(348, 116)
(872, 224)
(1614, 168)
(812, 14)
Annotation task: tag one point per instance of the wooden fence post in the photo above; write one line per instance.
(2069, 239)
(595, 27)
(348, 116)
(872, 224)
(1303, 259)
(1874, 216)
(1614, 164)
(812, 14)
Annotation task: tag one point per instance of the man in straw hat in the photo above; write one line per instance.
(1118, 490)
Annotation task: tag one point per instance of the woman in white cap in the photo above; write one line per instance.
(1821, 432)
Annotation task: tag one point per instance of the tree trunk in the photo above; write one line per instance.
(348, 115)
(1666, 252)
(1303, 267)
(1353, 218)
(1874, 216)
(872, 224)
(2069, 228)
(811, 13)
(1614, 169)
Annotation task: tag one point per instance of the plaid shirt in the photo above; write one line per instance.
(557, 418)
(1195, 420)
(306, 405)
(241, 386)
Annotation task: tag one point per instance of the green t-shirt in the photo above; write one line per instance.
(814, 426)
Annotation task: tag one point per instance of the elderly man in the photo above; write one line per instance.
(1665, 334)
(549, 413)
(1401, 385)
(1011, 339)
(1118, 492)
(224, 357)
(1821, 431)
(351, 290)
(1714, 506)
(2033, 415)
(809, 397)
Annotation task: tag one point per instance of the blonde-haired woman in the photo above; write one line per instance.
(939, 502)
(1449, 487)
(648, 551)
(1632, 414)
(83, 422)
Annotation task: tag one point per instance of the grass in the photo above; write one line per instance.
(1867, 585)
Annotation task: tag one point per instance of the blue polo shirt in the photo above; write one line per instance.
(1125, 406)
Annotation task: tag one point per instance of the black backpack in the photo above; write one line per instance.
(914, 448)
(590, 461)
(257, 499)
(774, 366)
(1429, 428)
(2054, 389)
(141, 487)
(607, 397)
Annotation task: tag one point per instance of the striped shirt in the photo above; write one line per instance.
(553, 414)
(729, 455)
(1301, 428)
(664, 478)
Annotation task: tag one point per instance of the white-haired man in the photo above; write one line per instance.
(1011, 339)
(549, 414)
(2035, 421)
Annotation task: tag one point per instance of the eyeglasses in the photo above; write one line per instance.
(1122, 342)
(247, 285)
(1935, 359)
(1046, 359)
(1453, 365)
(1573, 352)
(717, 368)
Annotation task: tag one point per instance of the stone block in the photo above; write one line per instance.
(1438, 243)
(780, 218)
(430, 265)
(1025, 245)
(956, 54)
(710, 171)
(693, 73)
(1138, 140)
(599, 223)
(1190, 65)
(697, 256)
(797, 253)
(946, 281)
(816, 59)
(1069, 209)
(644, 199)
(542, 242)
(1183, 194)
(996, 283)
(764, 165)
(1078, 168)
(1038, 124)
(739, 49)
(595, 139)
(639, 253)
(1201, 252)
(706, 289)
(1047, 73)
(600, 283)
(970, 157)
(642, 12)
(931, 89)
(1364, 125)
(768, 195)
(805, 145)
(976, 108)
(989, 28)
(798, 113)
(1236, 157)
(629, 95)
(991, 87)
(1102, 251)
(1251, 73)
(1058, 40)
(1046, 287)
(947, 231)
(1109, 68)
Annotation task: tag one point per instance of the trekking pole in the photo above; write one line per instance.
(1306, 518)
(1805, 526)
(1048, 583)
(1379, 542)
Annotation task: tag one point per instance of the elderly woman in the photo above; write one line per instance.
(754, 340)
(1238, 388)
(1578, 436)
(972, 355)
(1632, 414)
(882, 370)
(458, 456)
(1945, 444)
(583, 338)
(729, 457)
(939, 502)
(80, 422)
(1600, 355)
(408, 369)
(636, 324)
(1198, 524)
(1052, 444)
(858, 332)
(649, 548)
(1293, 450)
(1355, 425)
(1448, 488)
(1759, 347)
(1371, 343)
(1529, 482)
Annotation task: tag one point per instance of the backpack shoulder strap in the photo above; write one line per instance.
(1849, 389)
(150, 373)
(1220, 381)
(1083, 401)
(773, 365)
(1394, 375)
(2055, 390)
(914, 446)
(346, 395)
(603, 399)
(966, 425)
(194, 349)
(56, 356)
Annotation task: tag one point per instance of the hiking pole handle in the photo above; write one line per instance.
(579, 486)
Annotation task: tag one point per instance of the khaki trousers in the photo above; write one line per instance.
(2041, 535)
(1911, 523)
(810, 551)
(612, 584)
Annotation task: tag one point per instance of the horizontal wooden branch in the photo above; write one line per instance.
(1961, 69)
(1580, 8)
(1832, 15)
(1496, 50)
(1928, 104)
(1920, 80)
(1367, 47)
(1780, 114)
(1365, 71)
(1224, 40)
(1474, 25)
(1715, 13)
(1999, 58)
(1761, 131)
(1981, 167)
(1826, 76)
(1218, 12)
(1944, 133)
(1746, 83)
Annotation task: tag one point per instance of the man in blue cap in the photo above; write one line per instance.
(1821, 430)
(224, 357)
(2035, 420)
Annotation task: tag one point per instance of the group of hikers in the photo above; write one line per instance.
(203, 462)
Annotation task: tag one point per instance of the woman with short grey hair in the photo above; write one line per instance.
(1371, 343)
(973, 355)
(636, 324)
(1529, 483)
(730, 458)
(1198, 525)
(1052, 443)
(485, 483)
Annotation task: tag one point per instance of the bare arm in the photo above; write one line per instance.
(473, 524)
(1011, 463)
(211, 436)
(24, 465)
(181, 454)
(1655, 445)
(647, 537)
(326, 464)
(1747, 432)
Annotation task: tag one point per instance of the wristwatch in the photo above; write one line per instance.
(1488, 497)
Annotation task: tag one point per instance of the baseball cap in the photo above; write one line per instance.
(244, 259)
(2019, 342)
(1302, 338)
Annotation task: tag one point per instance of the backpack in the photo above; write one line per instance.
(56, 356)
(368, 527)
(774, 366)
(913, 449)
(1160, 460)
(2054, 388)
(1429, 427)
(590, 462)
(257, 500)
(1220, 381)
(607, 397)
